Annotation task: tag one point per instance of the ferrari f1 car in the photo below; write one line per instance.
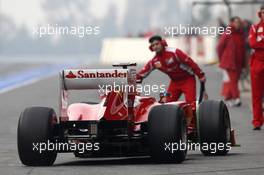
(122, 124)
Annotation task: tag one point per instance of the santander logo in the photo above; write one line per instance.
(96, 74)
(70, 75)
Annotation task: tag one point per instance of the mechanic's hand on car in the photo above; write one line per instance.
(163, 100)
(163, 97)
(202, 79)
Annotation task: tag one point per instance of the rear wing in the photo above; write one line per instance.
(85, 79)
(93, 78)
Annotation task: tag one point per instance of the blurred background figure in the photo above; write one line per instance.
(231, 52)
(256, 42)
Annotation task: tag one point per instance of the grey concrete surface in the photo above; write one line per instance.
(7, 69)
(247, 159)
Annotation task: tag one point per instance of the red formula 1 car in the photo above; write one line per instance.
(122, 124)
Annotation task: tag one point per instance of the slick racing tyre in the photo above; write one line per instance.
(35, 126)
(167, 134)
(214, 128)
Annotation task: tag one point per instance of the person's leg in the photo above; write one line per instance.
(234, 78)
(225, 91)
(174, 91)
(234, 90)
(257, 85)
(189, 90)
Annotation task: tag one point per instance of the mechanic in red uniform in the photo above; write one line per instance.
(177, 65)
(232, 54)
(256, 42)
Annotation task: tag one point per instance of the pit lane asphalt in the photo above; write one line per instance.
(247, 159)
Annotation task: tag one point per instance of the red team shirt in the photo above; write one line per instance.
(173, 62)
(256, 40)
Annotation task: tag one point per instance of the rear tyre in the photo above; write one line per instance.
(167, 134)
(214, 128)
(36, 126)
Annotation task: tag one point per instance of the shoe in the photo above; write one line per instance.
(257, 128)
(237, 102)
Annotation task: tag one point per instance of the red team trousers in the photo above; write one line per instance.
(257, 85)
(186, 87)
(230, 89)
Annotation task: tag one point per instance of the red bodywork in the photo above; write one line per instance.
(114, 107)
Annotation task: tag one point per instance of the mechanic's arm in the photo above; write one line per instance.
(185, 59)
(255, 42)
(145, 71)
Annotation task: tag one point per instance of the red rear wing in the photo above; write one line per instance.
(85, 79)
